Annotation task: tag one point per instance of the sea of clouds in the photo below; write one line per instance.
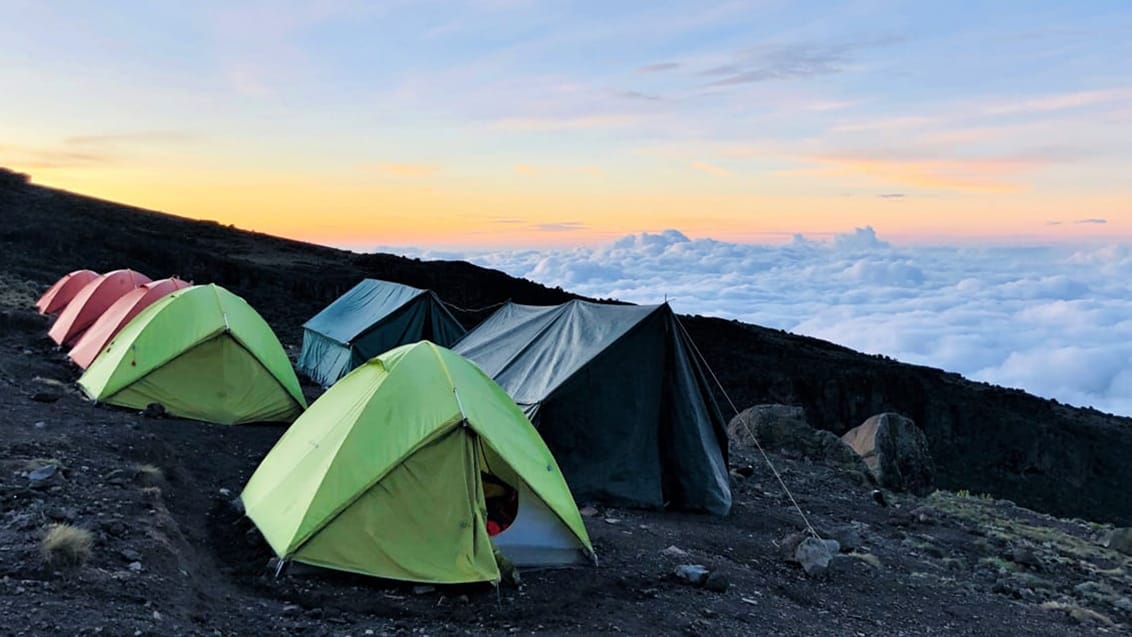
(1052, 320)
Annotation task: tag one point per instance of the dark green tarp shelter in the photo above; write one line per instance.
(373, 317)
(617, 393)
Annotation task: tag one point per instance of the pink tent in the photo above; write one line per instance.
(90, 344)
(59, 295)
(91, 302)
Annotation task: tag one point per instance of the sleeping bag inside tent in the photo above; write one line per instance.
(373, 317)
(405, 469)
(62, 291)
(617, 393)
(202, 353)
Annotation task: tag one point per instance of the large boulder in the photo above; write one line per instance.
(783, 428)
(896, 452)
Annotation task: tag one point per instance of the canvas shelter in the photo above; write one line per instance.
(91, 302)
(386, 475)
(117, 316)
(202, 353)
(372, 317)
(617, 393)
(62, 291)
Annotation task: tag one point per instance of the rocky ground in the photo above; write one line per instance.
(168, 553)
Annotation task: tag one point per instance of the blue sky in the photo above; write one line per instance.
(430, 121)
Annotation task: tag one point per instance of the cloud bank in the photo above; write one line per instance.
(1055, 321)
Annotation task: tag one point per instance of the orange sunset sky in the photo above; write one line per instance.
(513, 123)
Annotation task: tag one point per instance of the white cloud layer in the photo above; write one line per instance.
(1055, 321)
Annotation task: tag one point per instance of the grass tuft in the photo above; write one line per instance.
(149, 475)
(66, 545)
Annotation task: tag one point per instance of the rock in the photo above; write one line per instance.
(62, 514)
(746, 471)
(674, 551)
(423, 589)
(290, 610)
(695, 574)
(117, 477)
(43, 476)
(117, 528)
(815, 555)
(896, 452)
(789, 545)
(135, 566)
(878, 497)
(130, 555)
(717, 582)
(848, 537)
(225, 492)
(783, 428)
(1025, 557)
(46, 396)
(154, 410)
(588, 511)
(1120, 540)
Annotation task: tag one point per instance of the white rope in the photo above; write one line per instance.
(762, 451)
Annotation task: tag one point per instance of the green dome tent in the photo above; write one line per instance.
(384, 475)
(372, 317)
(202, 353)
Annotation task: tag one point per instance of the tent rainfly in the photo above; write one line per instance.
(371, 318)
(88, 346)
(202, 353)
(62, 291)
(618, 395)
(91, 302)
(385, 475)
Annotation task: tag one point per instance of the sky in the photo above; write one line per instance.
(512, 123)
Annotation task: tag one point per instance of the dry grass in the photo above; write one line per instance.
(867, 558)
(66, 545)
(1080, 614)
(149, 475)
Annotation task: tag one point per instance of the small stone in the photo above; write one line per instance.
(290, 610)
(588, 511)
(40, 424)
(847, 536)
(225, 492)
(1120, 540)
(157, 616)
(423, 589)
(135, 566)
(154, 410)
(789, 544)
(717, 582)
(612, 520)
(815, 555)
(130, 555)
(40, 477)
(674, 551)
(1025, 557)
(694, 574)
(46, 396)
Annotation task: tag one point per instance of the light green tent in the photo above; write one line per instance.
(202, 353)
(383, 476)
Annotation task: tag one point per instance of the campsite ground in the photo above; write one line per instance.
(171, 556)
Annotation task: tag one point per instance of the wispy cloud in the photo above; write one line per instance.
(785, 62)
(711, 168)
(133, 137)
(1094, 220)
(36, 158)
(1060, 102)
(976, 174)
(407, 170)
(566, 123)
(892, 195)
(659, 66)
(560, 226)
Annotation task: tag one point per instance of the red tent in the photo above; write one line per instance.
(59, 295)
(90, 344)
(91, 302)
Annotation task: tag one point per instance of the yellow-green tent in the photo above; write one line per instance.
(383, 476)
(202, 353)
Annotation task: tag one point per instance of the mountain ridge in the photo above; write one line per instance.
(1037, 452)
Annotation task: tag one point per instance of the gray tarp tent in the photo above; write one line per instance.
(372, 318)
(619, 397)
